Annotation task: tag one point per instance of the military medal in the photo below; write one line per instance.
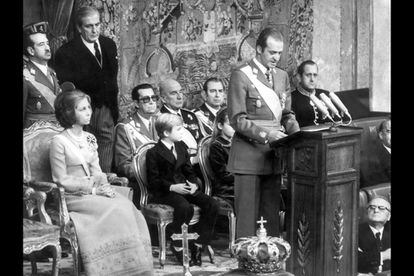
(38, 105)
(258, 103)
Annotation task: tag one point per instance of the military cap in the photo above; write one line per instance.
(33, 28)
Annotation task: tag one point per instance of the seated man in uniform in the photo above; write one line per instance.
(374, 238)
(40, 85)
(132, 132)
(213, 96)
(173, 100)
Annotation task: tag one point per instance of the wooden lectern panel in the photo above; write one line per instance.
(323, 184)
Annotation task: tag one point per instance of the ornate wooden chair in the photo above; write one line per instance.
(226, 207)
(159, 214)
(39, 234)
(37, 175)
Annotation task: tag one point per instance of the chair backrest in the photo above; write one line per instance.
(36, 146)
(140, 171)
(203, 153)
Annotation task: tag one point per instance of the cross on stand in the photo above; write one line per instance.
(261, 221)
(185, 236)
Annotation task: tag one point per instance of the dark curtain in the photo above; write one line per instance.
(58, 14)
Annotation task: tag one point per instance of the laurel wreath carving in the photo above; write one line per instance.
(338, 237)
(303, 243)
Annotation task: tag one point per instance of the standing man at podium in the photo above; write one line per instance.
(259, 111)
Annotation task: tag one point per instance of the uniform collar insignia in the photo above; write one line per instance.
(255, 71)
(32, 71)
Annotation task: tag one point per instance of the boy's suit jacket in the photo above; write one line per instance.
(163, 169)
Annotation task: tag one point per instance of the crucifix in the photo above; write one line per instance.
(261, 221)
(185, 236)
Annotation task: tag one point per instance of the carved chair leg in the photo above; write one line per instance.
(57, 252)
(232, 231)
(75, 254)
(33, 264)
(162, 241)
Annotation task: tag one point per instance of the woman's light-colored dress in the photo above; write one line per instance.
(112, 234)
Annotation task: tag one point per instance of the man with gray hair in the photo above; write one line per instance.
(90, 62)
(374, 238)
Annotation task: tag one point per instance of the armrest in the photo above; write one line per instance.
(115, 180)
(34, 198)
(42, 185)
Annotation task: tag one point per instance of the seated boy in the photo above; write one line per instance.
(172, 181)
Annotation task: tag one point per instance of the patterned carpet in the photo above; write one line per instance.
(224, 263)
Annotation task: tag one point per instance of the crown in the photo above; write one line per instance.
(261, 253)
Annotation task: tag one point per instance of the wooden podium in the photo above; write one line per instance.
(323, 185)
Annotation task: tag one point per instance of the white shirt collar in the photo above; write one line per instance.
(387, 148)
(144, 120)
(173, 111)
(42, 67)
(90, 45)
(168, 144)
(212, 110)
(261, 67)
(374, 230)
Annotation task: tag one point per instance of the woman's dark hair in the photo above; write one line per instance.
(221, 118)
(65, 104)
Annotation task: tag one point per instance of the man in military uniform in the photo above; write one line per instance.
(132, 132)
(40, 85)
(258, 109)
(213, 95)
(173, 100)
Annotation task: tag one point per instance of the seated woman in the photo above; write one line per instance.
(112, 234)
(223, 186)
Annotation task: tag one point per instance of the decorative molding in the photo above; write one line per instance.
(338, 237)
(300, 34)
(303, 243)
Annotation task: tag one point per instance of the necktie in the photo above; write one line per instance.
(378, 240)
(97, 52)
(173, 152)
(269, 76)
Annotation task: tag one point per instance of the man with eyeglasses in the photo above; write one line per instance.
(137, 129)
(379, 157)
(40, 85)
(90, 62)
(374, 238)
(172, 96)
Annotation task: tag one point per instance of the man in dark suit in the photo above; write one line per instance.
(307, 113)
(132, 132)
(213, 96)
(258, 109)
(90, 62)
(172, 97)
(374, 238)
(40, 85)
(172, 181)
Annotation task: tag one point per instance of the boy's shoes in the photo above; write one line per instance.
(179, 256)
(196, 254)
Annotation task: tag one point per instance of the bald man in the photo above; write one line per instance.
(374, 239)
(172, 96)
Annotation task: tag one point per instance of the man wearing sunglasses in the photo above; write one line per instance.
(374, 238)
(40, 85)
(138, 128)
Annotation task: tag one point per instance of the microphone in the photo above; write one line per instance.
(329, 104)
(335, 99)
(321, 106)
(67, 86)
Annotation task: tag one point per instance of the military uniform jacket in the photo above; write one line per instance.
(130, 134)
(75, 63)
(307, 114)
(249, 153)
(206, 118)
(191, 122)
(39, 94)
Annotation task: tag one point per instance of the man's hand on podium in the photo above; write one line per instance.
(275, 135)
